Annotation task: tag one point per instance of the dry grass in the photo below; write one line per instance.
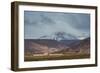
(57, 57)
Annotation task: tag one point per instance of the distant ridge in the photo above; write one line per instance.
(36, 46)
(59, 36)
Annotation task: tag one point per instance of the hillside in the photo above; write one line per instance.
(40, 46)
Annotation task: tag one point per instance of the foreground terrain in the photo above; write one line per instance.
(57, 57)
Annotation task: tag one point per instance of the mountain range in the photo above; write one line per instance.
(41, 46)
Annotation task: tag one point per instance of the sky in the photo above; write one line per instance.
(39, 23)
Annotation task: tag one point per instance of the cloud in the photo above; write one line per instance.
(38, 24)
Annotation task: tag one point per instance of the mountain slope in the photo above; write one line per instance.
(41, 46)
(83, 46)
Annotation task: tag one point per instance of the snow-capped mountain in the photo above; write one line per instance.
(59, 36)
